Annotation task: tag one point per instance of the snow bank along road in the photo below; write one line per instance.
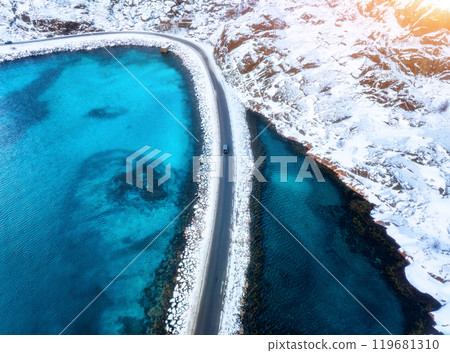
(211, 300)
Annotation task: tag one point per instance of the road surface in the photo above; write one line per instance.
(211, 301)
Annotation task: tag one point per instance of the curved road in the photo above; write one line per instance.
(211, 301)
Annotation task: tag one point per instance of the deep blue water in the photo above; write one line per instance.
(68, 222)
(292, 293)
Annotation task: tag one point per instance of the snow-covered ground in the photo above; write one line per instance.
(239, 252)
(371, 101)
(363, 83)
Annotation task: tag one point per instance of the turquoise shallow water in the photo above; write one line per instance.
(290, 293)
(69, 223)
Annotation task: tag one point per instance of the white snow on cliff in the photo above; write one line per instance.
(371, 98)
(364, 83)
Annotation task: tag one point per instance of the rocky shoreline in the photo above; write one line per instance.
(157, 296)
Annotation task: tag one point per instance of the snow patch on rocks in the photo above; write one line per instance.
(239, 253)
(371, 99)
